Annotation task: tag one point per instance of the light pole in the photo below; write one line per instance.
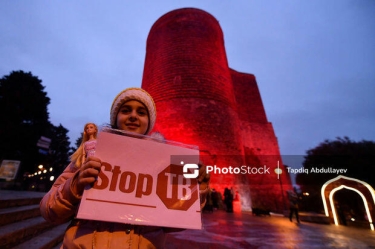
(278, 172)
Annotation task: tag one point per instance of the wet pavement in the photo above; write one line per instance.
(223, 230)
(242, 230)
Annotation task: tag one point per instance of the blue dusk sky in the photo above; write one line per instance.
(314, 61)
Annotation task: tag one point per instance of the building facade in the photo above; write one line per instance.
(201, 101)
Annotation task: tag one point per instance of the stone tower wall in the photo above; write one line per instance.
(186, 71)
(197, 94)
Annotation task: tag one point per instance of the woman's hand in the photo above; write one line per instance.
(88, 173)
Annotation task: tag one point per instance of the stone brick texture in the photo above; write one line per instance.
(201, 101)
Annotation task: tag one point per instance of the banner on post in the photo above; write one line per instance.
(9, 169)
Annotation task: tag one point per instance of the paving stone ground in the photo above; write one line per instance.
(223, 230)
(242, 230)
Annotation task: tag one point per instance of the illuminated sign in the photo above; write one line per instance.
(333, 191)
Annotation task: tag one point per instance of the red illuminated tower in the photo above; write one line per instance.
(201, 101)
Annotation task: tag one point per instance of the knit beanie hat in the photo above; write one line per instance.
(138, 94)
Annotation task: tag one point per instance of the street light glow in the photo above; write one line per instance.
(278, 171)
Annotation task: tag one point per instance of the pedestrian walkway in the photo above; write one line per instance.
(242, 230)
(223, 230)
(14, 194)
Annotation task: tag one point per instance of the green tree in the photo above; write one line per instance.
(24, 117)
(59, 150)
(24, 120)
(78, 143)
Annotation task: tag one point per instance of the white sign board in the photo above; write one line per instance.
(139, 185)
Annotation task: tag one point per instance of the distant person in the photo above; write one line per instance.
(215, 199)
(341, 215)
(209, 203)
(228, 200)
(293, 205)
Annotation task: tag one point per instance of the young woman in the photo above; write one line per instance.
(132, 110)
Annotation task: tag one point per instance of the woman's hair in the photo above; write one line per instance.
(78, 155)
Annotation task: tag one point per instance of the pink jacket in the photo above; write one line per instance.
(60, 205)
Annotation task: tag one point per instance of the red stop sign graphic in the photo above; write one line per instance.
(176, 191)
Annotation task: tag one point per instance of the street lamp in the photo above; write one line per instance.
(278, 172)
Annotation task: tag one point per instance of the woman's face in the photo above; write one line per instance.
(133, 117)
(90, 129)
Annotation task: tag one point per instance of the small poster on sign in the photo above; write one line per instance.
(140, 184)
(9, 169)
